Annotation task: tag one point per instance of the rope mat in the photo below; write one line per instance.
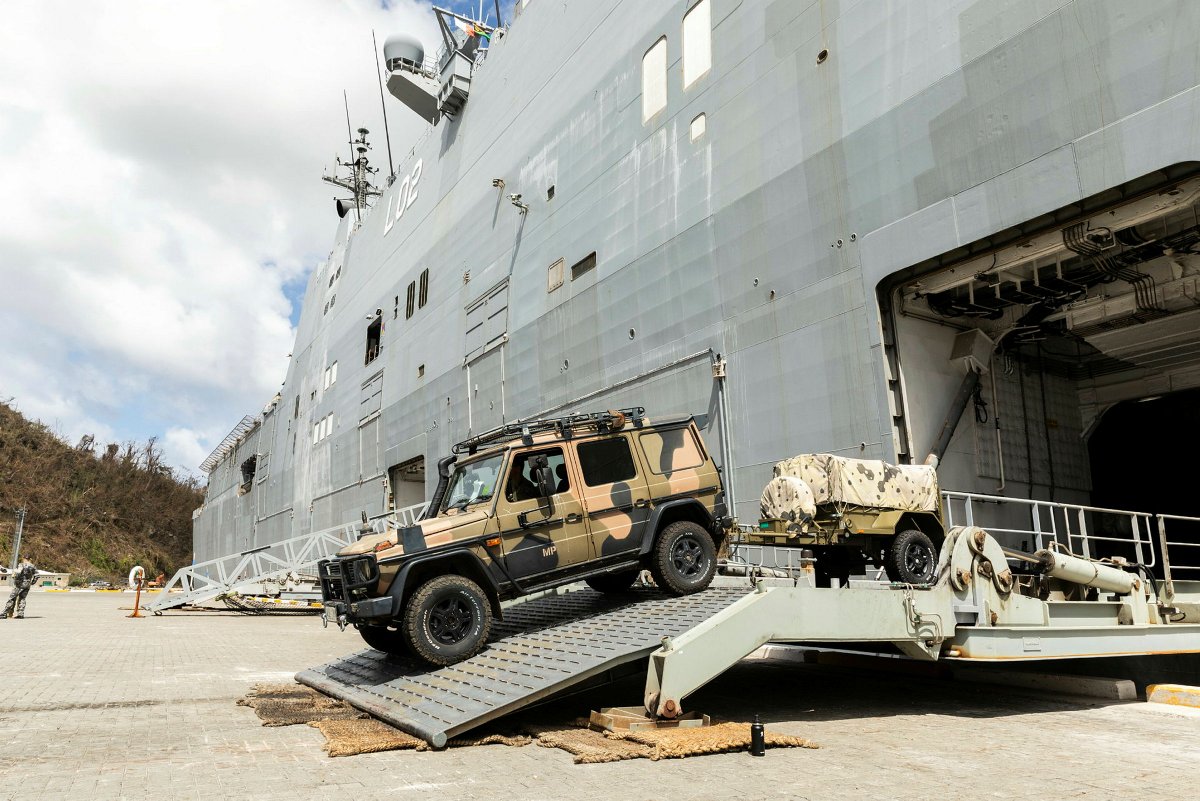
(292, 704)
(348, 731)
(350, 737)
(589, 746)
(717, 739)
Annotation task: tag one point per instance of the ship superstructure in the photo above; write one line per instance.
(831, 227)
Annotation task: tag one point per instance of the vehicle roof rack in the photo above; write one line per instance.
(562, 427)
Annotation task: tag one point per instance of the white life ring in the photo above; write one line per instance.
(136, 576)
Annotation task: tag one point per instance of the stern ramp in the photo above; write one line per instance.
(542, 648)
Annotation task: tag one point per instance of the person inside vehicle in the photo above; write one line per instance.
(520, 487)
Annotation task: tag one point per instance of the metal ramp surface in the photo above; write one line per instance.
(541, 648)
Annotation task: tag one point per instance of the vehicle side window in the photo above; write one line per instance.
(668, 451)
(606, 461)
(521, 485)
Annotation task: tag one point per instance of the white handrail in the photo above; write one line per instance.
(274, 562)
(1066, 524)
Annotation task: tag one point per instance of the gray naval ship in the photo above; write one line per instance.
(964, 229)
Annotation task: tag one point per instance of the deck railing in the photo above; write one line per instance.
(1093, 532)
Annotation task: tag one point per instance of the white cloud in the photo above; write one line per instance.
(162, 186)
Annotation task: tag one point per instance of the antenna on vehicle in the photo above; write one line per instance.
(386, 133)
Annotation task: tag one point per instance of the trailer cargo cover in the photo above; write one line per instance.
(864, 482)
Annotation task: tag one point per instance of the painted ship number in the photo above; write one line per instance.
(405, 196)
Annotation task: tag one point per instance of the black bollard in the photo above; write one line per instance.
(758, 738)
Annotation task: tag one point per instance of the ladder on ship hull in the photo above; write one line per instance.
(247, 570)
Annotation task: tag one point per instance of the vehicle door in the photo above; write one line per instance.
(614, 495)
(540, 535)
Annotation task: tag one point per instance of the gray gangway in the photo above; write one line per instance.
(279, 562)
(542, 648)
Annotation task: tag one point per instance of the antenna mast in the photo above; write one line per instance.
(359, 180)
(386, 133)
(350, 137)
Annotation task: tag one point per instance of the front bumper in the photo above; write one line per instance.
(348, 585)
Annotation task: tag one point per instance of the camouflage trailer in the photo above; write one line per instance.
(530, 506)
(854, 512)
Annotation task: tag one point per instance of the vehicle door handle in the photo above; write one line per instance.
(574, 517)
(641, 503)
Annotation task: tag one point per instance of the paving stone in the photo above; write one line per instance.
(97, 706)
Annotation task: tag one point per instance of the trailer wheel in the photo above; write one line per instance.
(910, 558)
(620, 581)
(447, 620)
(684, 559)
(381, 638)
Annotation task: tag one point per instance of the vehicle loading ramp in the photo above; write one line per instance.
(543, 647)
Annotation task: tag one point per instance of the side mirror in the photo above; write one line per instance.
(543, 475)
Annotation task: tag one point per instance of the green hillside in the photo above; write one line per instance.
(93, 510)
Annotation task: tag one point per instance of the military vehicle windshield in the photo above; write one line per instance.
(473, 483)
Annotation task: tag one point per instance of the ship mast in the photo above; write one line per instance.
(359, 173)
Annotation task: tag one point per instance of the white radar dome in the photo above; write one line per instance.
(403, 49)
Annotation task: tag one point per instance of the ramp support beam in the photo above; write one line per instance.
(914, 620)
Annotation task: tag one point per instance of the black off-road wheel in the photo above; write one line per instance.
(684, 559)
(447, 620)
(910, 558)
(613, 582)
(381, 638)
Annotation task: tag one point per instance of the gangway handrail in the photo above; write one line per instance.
(206, 580)
(1045, 517)
(1169, 565)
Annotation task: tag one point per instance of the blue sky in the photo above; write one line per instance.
(171, 205)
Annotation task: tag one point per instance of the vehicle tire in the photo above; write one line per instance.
(620, 581)
(447, 620)
(684, 558)
(381, 638)
(911, 558)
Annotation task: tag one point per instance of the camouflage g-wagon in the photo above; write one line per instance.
(530, 506)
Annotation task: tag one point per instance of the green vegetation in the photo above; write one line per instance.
(92, 511)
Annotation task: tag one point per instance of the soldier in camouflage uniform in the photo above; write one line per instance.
(22, 578)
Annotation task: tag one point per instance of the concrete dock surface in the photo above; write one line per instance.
(94, 705)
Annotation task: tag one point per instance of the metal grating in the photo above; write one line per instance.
(228, 444)
(541, 648)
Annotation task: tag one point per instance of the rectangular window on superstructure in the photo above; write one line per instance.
(411, 305)
(317, 433)
(654, 79)
(697, 43)
(374, 339)
(423, 295)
